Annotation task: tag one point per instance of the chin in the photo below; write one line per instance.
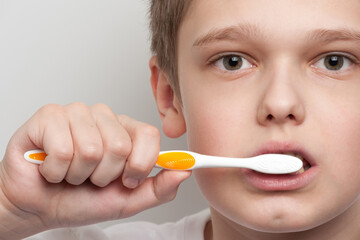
(274, 220)
(280, 225)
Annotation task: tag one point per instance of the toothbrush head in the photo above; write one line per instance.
(278, 164)
(176, 160)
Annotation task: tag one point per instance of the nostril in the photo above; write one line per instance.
(291, 117)
(270, 117)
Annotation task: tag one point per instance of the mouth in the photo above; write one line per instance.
(284, 182)
(288, 148)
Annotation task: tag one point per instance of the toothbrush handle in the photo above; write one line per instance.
(38, 156)
(205, 161)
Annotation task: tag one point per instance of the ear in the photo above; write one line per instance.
(169, 107)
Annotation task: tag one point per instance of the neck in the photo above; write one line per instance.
(343, 226)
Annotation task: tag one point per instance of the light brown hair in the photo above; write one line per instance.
(165, 19)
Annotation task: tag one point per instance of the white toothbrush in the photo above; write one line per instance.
(186, 160)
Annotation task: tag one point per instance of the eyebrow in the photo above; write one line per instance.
(249, 31)
(330, 35)
(232, 33)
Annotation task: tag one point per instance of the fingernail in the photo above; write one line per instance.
(131, 182)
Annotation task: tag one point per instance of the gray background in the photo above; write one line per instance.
(64, 51)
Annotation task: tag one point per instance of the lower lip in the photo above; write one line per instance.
(280, 182)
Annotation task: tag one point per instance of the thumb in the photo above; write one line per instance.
(154, 191)
(167, 182)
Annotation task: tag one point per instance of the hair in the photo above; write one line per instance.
(165, 19)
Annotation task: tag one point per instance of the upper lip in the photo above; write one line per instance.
(283, 147)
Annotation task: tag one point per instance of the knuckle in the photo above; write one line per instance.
(100, 182)
(52, 176)
(63, 154)
(101, 107)
(76, 108)
(124, 117)
(149, 130)
(74, 180)
(78, 105)
(137, 167)
(75, 177)
(120, 148)
(91, 152)
(51, 109)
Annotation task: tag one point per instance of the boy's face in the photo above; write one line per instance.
(275, 77)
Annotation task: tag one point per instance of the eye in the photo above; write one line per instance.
(334, 62)
(232, 63)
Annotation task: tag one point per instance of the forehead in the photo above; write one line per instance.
(272, 18)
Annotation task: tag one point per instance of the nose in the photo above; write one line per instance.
(281, 101)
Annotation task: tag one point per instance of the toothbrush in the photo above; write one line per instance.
(186, 160)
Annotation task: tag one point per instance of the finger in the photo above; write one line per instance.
(155, 191)
(116, 144)
(47, 129)
(88, 149)
(145, 150)
(57, 143)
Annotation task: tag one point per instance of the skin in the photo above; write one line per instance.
(282, 97)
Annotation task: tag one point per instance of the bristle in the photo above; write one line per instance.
(176, 160)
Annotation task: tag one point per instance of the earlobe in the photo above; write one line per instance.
(169, 107)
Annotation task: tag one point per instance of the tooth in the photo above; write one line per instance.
(301, 171)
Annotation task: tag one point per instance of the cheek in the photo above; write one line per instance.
(219, 121)
(340, 138)
(343, 156)
(217, 131)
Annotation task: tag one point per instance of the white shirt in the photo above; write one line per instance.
(188, 228)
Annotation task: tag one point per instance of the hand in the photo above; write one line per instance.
(96, 168)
